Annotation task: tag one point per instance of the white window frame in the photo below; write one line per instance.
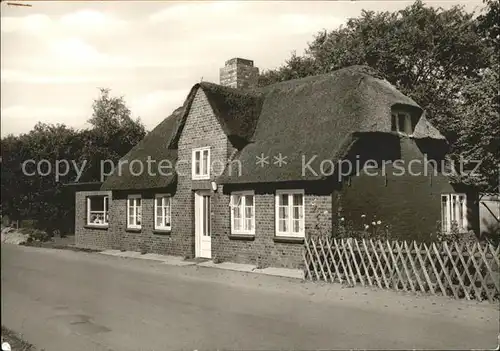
(452, 215)
(290, 193)
(400, 129)
(104, 212)
(243, 213)
(200, 176)
(164, 214)
(134, 225)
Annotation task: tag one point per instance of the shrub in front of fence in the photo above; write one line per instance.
(368, 228)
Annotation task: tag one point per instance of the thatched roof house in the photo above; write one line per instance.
(227, 171)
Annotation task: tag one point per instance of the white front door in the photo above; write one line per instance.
(202, 214)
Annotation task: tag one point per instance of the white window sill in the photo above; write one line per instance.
(207, 177)
(290, 234)
(239, 232)
(134, 228)
(164, 229)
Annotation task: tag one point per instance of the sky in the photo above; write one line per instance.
(55, 55)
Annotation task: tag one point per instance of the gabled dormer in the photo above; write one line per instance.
(404, 119)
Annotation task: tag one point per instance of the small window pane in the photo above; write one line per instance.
(297, 199)
(401, 121)
(282, 227)
(283, 200)
(237, 210)
(197, 168)
(248, 212)
(444, 212)
(159, 214)
(237, 223)
(248, 224)
(453, 208)
(236, 200)
(205, 162)
(460, 218)
(97, 218)
(283, 212)
(203, 168)
(393, 122)
(249, 200)
(408, 127)
(296, 226)
(139, 215)
(97, 203)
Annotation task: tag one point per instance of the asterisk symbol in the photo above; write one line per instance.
(280, 160)
(262, 160)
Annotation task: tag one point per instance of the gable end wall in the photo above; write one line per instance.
(200, 130)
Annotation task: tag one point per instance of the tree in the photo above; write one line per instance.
(427, 53)
(488, 25)
(479, 106)
(38, 196)
(43, 197)
(479, 138)
(112, 135)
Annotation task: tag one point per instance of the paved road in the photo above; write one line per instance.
(71, 301)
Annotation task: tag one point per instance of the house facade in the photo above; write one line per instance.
(245, 174)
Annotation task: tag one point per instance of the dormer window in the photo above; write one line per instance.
(401, 122)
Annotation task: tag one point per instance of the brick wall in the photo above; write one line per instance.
(264, 249)
(409, 204)
(88, 236)
(146, 239)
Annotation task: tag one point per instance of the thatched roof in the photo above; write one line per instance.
(321, 115)
(155, 145)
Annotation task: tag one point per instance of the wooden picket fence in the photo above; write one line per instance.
(466, 270)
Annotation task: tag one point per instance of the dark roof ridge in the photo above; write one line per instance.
(363, 70)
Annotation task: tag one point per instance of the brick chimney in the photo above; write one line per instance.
(239, 73)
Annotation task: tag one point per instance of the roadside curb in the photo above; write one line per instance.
(170, 260)
(179, 261)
